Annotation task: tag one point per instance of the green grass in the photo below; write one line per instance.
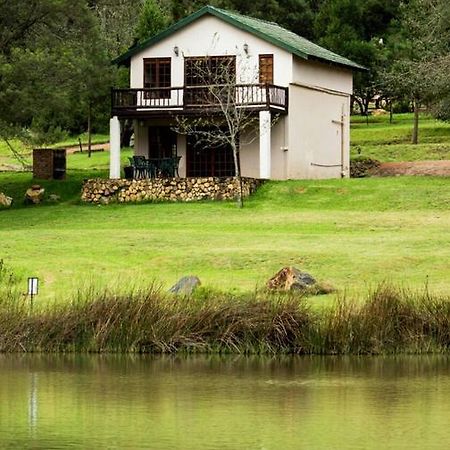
(97, 161)
(349, 233)
(392, 141)
(6, 158)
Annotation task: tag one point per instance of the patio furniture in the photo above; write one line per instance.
(140, 166)
(168, 167)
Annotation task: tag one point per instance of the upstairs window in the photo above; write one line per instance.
(266, 69)
(157, 74)
(208, 70)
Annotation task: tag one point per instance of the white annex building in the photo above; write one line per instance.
(277, 72)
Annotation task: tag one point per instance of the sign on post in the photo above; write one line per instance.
(33, 288)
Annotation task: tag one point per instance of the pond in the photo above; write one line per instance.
(133, 402)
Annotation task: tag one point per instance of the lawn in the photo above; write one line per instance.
(351, 234)
(7, 161)
(387, 141)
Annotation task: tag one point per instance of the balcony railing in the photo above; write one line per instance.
(195, 98)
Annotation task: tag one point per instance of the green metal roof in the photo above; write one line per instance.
(267, 31)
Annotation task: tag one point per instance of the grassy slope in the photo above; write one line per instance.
(350, 233)
(391, 142)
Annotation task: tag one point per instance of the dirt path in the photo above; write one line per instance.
(436, 168)
(76, 148)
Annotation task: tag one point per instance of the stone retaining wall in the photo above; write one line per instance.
(166, 189)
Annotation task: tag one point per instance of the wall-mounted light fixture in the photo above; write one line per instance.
(176, 50)
(246, 48)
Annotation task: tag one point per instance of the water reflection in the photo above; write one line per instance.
(32, 404)
(115, 401)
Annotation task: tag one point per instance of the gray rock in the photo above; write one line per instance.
(185, 285)
(54, 198)
(5, 201)
(289, 279)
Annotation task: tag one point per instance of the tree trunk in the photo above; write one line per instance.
(360, 105)
(415, 133)
(125, 133)
(89, 129)
(237, 172)
(366, 103)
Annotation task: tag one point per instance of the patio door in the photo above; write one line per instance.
(162, 142)
(208, 161)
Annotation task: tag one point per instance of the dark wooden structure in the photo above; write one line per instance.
(163, 101)
(49, 163)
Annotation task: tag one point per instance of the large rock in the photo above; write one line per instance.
(5, 201)
(185, 285)
(34, 194)
(290, 279)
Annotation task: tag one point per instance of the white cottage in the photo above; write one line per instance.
(306, 86)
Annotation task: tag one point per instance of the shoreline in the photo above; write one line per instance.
(390, 321)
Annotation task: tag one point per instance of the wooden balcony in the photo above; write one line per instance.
(193, 100)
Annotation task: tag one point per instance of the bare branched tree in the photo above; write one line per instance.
(228, 108)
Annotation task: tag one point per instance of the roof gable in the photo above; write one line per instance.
(268, 31)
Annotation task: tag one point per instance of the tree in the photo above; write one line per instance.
(153, 18)
(422, 60)
(358, 30)
(226, 119)
(117, 22)
(53, 65)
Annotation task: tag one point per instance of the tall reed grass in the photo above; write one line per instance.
(390, 320)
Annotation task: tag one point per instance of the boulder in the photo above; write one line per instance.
(5, 201)
(185, 285)
(34, 194)
(290, 279)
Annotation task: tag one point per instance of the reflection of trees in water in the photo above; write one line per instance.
(78, 398)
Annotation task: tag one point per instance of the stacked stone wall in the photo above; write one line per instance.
(105, 191)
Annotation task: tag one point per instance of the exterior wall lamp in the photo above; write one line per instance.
(246, 48)
(176, 50)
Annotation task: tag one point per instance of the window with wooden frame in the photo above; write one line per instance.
(157, 74)
(266, 69)
(207, 71)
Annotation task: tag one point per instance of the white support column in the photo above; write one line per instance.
(264, 144)
(114, 147)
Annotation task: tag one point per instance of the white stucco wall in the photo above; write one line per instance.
(213, 37)
(313, 73)
(249, 153)
(315, 136)
(318, 97)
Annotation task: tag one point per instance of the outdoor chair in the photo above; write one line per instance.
(140, 166)
(168, 167)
